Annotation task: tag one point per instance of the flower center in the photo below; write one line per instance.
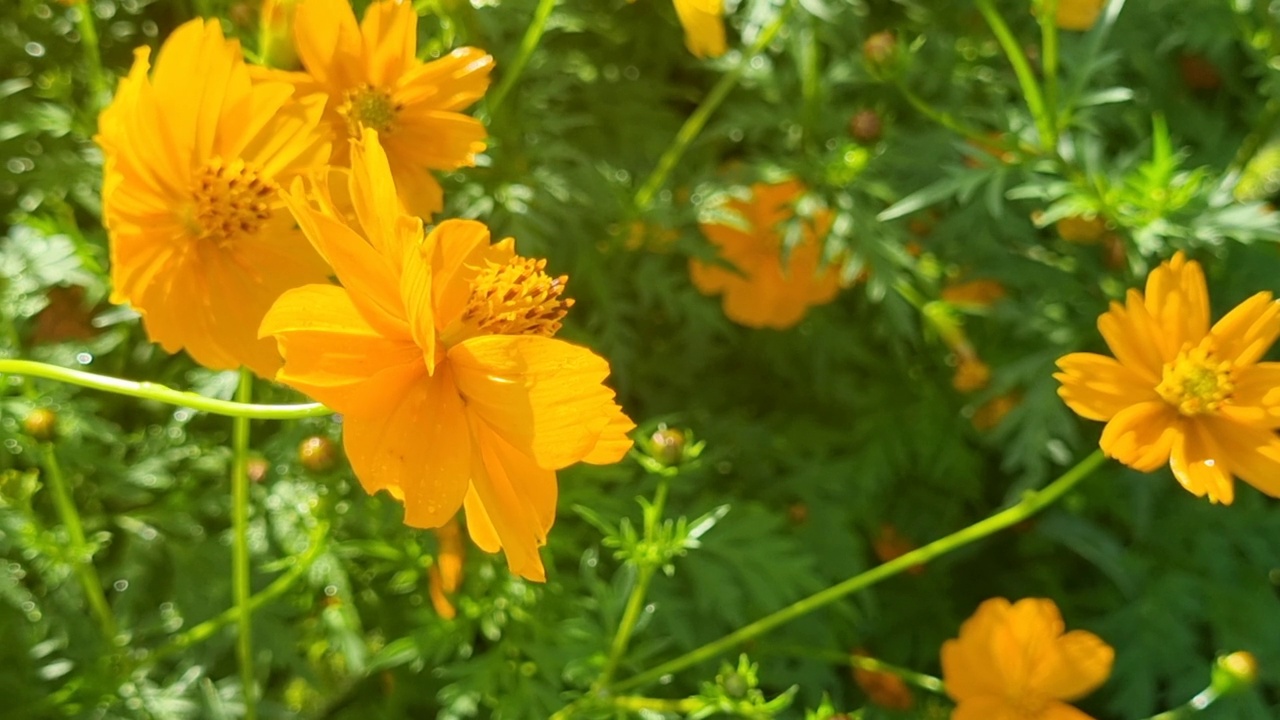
(368, 107)
(517, 298)
(1195, 382)
(230, 199)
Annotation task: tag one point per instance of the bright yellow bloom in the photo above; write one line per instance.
(201, 243)
(703, 22)
(1079, 14)
(438, 351)
(1180, 392)
(763, 291)
(373, 80)
(1014, 662)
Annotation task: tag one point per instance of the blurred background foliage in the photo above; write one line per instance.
(829, 447)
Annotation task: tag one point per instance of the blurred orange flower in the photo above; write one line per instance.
(971, 374)
(764, 291)
(1014, 662)
(444, 577)
(990, 413)
(889, 544)
(439, 352)
(201, 244)
(1180, 392)
(975, 294)
(1079, 15)
(1084, 229)
(373, 79)
(882, 688)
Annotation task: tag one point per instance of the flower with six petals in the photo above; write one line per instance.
(438, 350)
(1181, 392)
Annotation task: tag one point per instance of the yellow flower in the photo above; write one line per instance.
(201, 243)
(373, 80)
(971, 374)
(1014, 662)
(1079, 14)
(1180, 392)
(990, 414)
(438, 351)
(1084, 229)
(444, 577)
(763, 291)
(703, 22)
(974, 294)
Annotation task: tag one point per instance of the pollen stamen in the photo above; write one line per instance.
(230, 200)
(1196, 382)
(517, 297)
(368, 107)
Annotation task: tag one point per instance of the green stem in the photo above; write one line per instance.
(1201, 701)
(276, 589)
(1028, 506)
(947, 121)
(82, 560)
(694, 124)
(1022, 69)
(1049, 61)
(862, 662)
(240, 575)
(636, 704)
(635, 602)
(93, 57)
(532, 36)
(160, 393)
(1262, 131)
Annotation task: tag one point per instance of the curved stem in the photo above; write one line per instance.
(160, 393)
(82, 562)
(1022, 69)
(861, 662)
(1049, 62)
(240, 570)
(694, 124)
(532, 36)
(1202, 700)
(1028, 506)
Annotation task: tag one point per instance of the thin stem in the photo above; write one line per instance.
(1202, 700)
(276, 589)
(694, 124)
(240, 576)
(160, 393)
(862, 662)
(93, 56)
(1028, 506)
(532, 36)
(1049, 62)
(635, 602)
(949, 122)
(1021, 68)
(82, 560)
(1263, 129)
(680, 707)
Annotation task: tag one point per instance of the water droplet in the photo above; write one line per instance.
(120, 585)
(84, 358)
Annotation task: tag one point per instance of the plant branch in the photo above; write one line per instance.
(1022, 69)
(240, 568)
(532, 36)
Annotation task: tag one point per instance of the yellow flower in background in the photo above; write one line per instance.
(1079, 14)
(1083, 229)
(444, 577)
(974, 294)
(373, 80)
(201, 243)
(971, 374)
(760, 289)
(1181, 392)
(1014, 662)
(439, 352)
(703, 23)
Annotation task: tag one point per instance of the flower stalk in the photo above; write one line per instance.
(1030, 504)
(1022, 69)
(532, 36)
(240, 569)
(93, 56)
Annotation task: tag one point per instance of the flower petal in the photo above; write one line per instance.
(614, 442)
(412, 436)
(544, 396)
(1142, 436)
(703, 24)
(328, 41)
(1256, 398)
(1079, 663)
(968, 665)
(1249, 452)
(1246, 333)
(1200, 465)
(986, 707)
(1178, 301)
(1134, 338)
(389, 30)
(1098, 387)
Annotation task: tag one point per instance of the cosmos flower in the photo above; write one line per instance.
(1181, 392)
(194, 154)
(439, 351)
(762, 289)
(1079, 15)
(1014, 662)
(373, 79)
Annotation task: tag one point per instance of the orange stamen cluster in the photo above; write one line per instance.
(1196, 382)
(368, 107)
(517, 298)
(230, 199)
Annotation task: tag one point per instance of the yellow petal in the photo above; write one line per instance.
(613, 443)
(457, 249)
(390, 33)
(1080, 662)
(479, 526)
(703, 26)
(1249, 452)
(412, 436)
(1098, 387)
(1246, 333)
(987, 707)
(1178, 301)
(454, 82)
(1142, 436)
(1062, 711)
(328, 41)
(1133, 338)
(1256, 398)
(969, 667)
(1200, 465)
(544, 396)
(373, 194)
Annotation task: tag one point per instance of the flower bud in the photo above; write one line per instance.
(41, 424)
(666, 445)
(257, 468)
(317, 453)
(1084, 229)
(880, 51)
(1234, 673)
(275, 34)
(865, 126)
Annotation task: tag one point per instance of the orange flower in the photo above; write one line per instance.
(889, 544)
(703, 22)
(765, 291)
(444, 577)
(1083, 229)
(976, 294)
(373, 79)
(438, 351)
(1180, 392)
(1014, 662)
(1079, 15)
(882, 688)
(992, 412)
(971, 374)
(201, 244)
